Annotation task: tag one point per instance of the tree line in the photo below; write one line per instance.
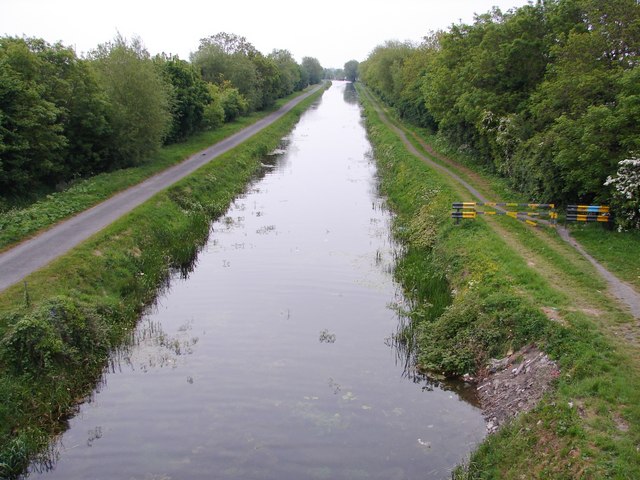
(547, 95)
(63, 116)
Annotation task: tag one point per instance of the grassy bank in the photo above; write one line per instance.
(500, 274)
(18, 224)
(57, 331)
(618, 251)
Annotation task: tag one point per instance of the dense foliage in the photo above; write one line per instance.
(546, 95)
(139, 100)
(351, 70)
(626, 193)
(64, 117)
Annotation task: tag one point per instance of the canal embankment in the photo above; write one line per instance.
(514, 289)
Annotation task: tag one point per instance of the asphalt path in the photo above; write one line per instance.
(31, 255)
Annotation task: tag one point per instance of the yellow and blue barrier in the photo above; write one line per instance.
(467, 210)
(575, 213)
(588, 213)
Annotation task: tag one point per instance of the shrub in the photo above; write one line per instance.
(59, 335)
(626, 194)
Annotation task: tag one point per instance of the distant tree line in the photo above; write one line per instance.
(547, 95)
(349, 72)
(63, 116)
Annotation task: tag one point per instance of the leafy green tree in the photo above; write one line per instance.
(213, 115)
(351, 70)
(232, 101)
(304, 78)
(139, 97)
(190, 97)
(268, 76)
(627, 110)
(313, 68)
(49, 82)
(381, 70)
(625, 195)
(289, 72)
(70, 84)
(32, 142)
(410, 102)
(583, 110)
(229, 57)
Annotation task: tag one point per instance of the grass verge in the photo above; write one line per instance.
(618, 251)
(18, 224)
(588, 426)
(56, 334)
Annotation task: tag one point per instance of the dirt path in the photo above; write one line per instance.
(33, 254)
(620, 290)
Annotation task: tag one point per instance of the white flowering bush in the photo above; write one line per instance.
(626, 194)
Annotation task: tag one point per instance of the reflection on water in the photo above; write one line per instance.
(403, 342)
(149, 346)
(275, 354)
(350, 94)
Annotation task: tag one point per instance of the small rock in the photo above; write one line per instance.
(496, 365)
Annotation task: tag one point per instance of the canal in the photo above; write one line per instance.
(273, 357)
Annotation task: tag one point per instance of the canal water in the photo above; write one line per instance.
(274, 357)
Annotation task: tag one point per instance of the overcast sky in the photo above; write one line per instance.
(331, 31)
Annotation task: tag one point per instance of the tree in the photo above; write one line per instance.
(229, 57)
(313, 68)
(626, 194)
(289, 72)
(32, 142)
(232, 101)
(583, 110)
(381, 70)
(213, 114)
(139, 98)
(230, 44)
(268, 80)
(351, 70)
(190, 97)
(53, 125)
(304, 78)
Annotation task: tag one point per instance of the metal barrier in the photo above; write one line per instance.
(467, 210)
(575, 213)
(588, 213)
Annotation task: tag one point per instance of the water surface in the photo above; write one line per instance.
(274, 358)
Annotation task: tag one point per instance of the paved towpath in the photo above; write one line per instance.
(33, 254)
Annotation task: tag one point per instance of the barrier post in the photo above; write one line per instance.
(588, 213)
(524, 216)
